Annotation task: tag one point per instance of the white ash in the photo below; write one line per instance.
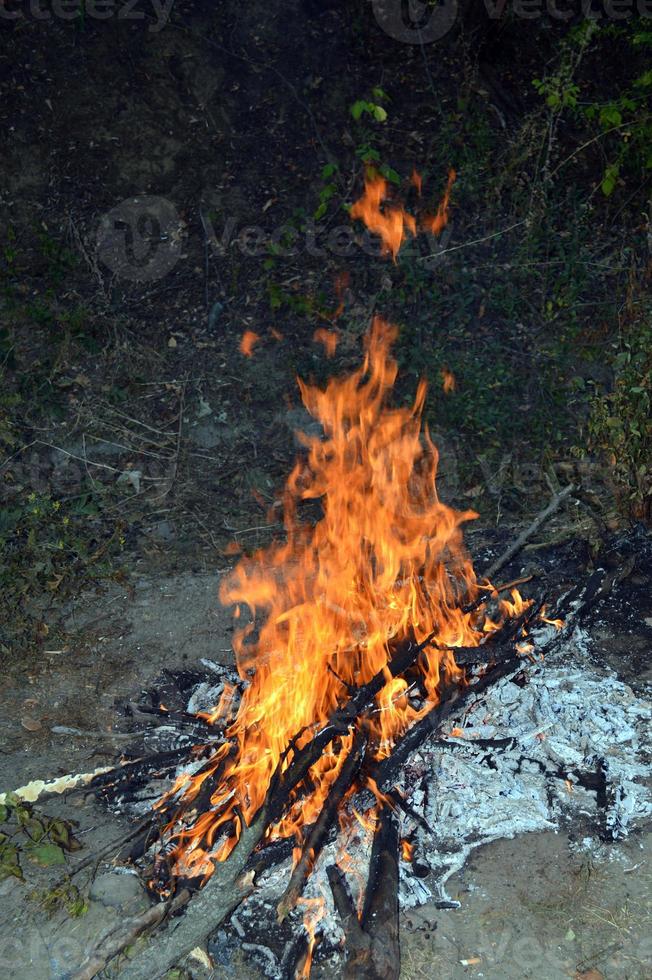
(567, 720)
(204, 697)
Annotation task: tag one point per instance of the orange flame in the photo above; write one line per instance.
(407, 850)
(391, 223)
(223, 707)
(315, 912)
(448, 381)
(328, 605)
(435, 223)
(328, 338)
(557, 623)
(247, 342)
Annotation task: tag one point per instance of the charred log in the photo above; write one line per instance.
(315, 840)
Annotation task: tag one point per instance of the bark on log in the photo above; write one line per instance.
(372, 946)
(380, 913)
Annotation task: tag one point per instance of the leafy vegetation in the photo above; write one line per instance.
(47, 546)
(619, 120)
(28, 834)
(620, 421)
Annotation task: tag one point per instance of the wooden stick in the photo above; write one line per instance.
(433, 722)
(516, 546)
(356, 941)
(372, 946)
(340, 722)
(494, 592)
(117, 940)
(313, 845)
(380, 913)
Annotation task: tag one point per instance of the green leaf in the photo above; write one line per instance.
(379, 113)
(609, 180)
(9, 862)
(328, 170)
(4, 813)
(379, 94)
(34, 828)
(644, 80)
(622, 360)
(60, 833)
(358, 108)
(390, 174)
(47, 855)
(369, 155)
(321, 211)
(610, 116)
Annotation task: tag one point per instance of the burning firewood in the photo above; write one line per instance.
(372, 942)
(315, 840)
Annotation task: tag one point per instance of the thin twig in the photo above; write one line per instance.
(476, 241)
(516, 546)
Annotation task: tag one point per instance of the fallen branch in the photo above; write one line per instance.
(433, 723)
(494, 592)
(117, 940)
(356, 941)
(33, 791)
(523, 538)
(380, 912)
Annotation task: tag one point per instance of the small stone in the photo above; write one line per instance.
(118, 891)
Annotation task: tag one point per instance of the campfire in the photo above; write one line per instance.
(351, 624)
(372, 660)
